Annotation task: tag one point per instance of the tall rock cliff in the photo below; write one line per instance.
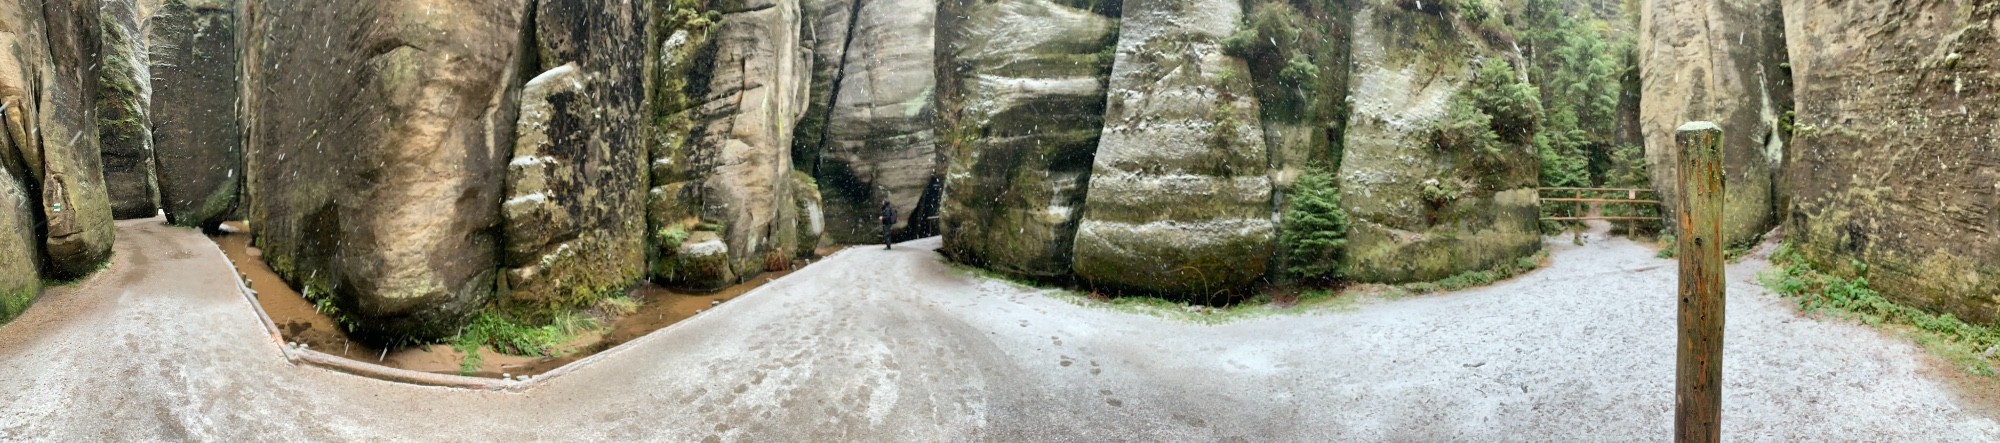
(878, 142)
(576, 186)
(1420, 210)
(1178, 198)
(54, 208)
(379, 134)
(729, 206)
(1721, 61)
(197, 142)
(1896, 158)
(54, 98)
(125, 125)
(1022, 100)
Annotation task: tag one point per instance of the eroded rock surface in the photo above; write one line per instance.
(575, 218)
(20, 258)
(124, 125)
(1718, 61)
(731, 178)
(380, 131)
(879, 143)
(1024, 107)
(1408, 65)
(48, 82)
(1179, 201)
(196, 127)
(1895, 162)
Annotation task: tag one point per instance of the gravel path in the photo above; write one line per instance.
(874, 345)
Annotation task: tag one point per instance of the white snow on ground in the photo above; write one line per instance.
(874, 345)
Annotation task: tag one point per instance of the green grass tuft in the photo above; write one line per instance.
(1472, 279)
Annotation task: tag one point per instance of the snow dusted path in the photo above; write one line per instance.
(872, 345)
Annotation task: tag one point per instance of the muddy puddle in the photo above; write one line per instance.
(299, 322)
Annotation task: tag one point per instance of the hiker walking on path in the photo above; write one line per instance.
(888, 220)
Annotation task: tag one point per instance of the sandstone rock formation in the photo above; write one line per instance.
(729, 207)
(1719, 61)
(379, 134)
(828, 21)
(575, 219)
(1894, 162)
(20, 258)
(55, 92)
(878, 143)
(1179, 201)
(1408, 66)
(1023, 107)
(124, 125)
(196, 127)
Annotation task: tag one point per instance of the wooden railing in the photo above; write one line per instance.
(1634, 198)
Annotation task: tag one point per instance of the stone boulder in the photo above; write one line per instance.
(574, 216)
(1720, 61)
(1026, 106)
(1408, 66)
(1179, 202)
(380, 132)
(124, 123)
(733, 176)
(1894, 162)
(196, 127)
(879, 142)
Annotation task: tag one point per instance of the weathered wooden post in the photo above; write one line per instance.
(1698, 385)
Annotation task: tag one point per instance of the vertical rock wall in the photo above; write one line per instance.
(1721, 61)
(1022, 94)
(1408, 65)
(575, 220)
(379, 133)
(197, 143)
(1179, 201)
(76, 206)
(20, 258)
(55, 213)
(1896, 158)
(879, 142)
(124, 98)
(729, 205)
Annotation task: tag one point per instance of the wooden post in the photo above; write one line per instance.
(1698, 362)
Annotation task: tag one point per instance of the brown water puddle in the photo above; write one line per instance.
(299, 322)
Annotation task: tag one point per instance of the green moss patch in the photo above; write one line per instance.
(1968, 347)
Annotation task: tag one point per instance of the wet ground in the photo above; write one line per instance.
(873, 345)
(300, 322)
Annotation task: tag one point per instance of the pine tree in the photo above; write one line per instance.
(1315, 228)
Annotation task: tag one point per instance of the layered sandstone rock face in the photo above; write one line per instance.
(1894, 161)
(576, 185)
(1408, 66)
(48, 83)
(729, 206)
(379, 135)
(124, 125)
(1023, 94)
(1178, 199)
(1721, 61)
(54, 208)
(196, 128)
(878, 141)
(20, 273)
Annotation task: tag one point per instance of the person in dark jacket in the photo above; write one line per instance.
(888, 220)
